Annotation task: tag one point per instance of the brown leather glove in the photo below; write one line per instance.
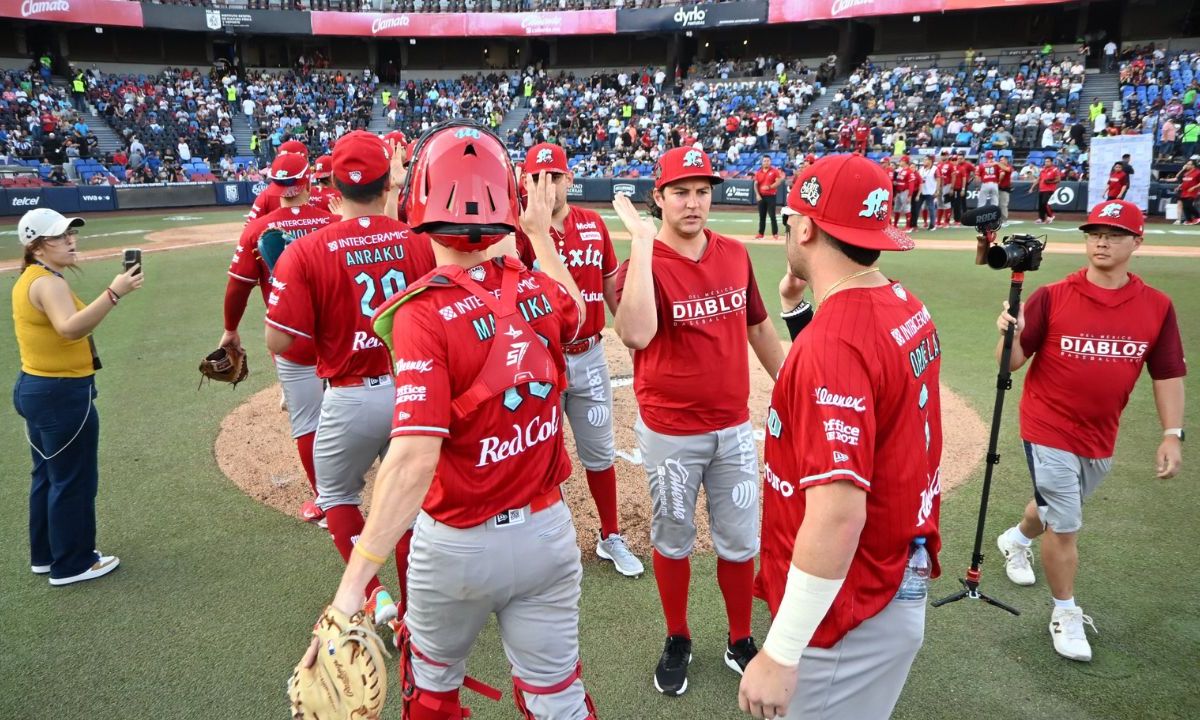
(225, 364)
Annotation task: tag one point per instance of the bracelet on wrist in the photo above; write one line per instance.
(113, 297)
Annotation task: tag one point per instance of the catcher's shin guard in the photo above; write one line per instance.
(421, 704)
(520, 687)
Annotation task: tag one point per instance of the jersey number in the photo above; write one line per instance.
(391, 283)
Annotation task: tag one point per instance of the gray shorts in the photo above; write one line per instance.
(355, 429)
(587, 403)
(725, 462)
(303, 391)
(527, 574)
(1062, 480)
(862, 675)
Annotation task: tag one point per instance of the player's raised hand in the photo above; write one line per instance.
(641, 230)
(539, 207)
(399, 169)
(791, 290)
(335, 205)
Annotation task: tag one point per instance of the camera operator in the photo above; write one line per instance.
(1094, 329)
(54, 393)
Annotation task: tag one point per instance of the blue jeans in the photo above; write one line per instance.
(64, 427)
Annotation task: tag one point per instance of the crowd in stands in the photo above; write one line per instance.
(1160, 95)
(40, 127)
(420, 104)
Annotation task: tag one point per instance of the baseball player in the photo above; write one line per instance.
(1089, 335)
(963, 172)
(688, 306)
(296, 368)
(322, 190)
(901, 191)
(477, 453)
(583, 244)
(767, 180)
(326, 287)
(988, 173)
(945, 194)
(1005, 187)
(853, 450)
(268, 200)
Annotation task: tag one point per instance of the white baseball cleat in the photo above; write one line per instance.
(1070, 639)
(614, 549)
(1017, 560)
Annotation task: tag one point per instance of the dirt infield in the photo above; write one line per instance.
(254, 449)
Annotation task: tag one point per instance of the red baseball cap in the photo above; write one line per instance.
(361, 157)
(849, 197)
(294, 146)
(323, 167)
(1116, 214)
(546, 157)
(680, 164)
(290, 172)
(989, 154)
(395, 136)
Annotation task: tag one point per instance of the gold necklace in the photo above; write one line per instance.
(846, 279)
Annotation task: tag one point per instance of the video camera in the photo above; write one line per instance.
(1019, 253)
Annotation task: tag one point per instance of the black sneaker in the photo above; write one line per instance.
(739, 654)
(670, 677)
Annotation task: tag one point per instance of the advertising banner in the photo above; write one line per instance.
(16, 201)
(326, 22)
(111, 13)
(199, 19)
(692, 17)
(154, 196)
(735, 192)
(785, 11)
(63, 199)
(97, 198)
(233, 193)
(576, 22)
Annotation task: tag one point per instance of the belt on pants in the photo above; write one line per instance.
(516, 516)
(360, 380)
(579, 347)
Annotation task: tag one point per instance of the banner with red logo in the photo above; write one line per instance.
(112, 13)
(788, 11)
(580, 22)
(577, 22)
(325, 22)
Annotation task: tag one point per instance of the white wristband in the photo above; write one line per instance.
(805, 603)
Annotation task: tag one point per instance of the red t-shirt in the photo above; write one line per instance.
(248, 266)
(495, 458)
(1005, 177)
(989, 172)
(1048, 179)
(857, 400)
(329, 283)
(587, 251)
(860, 134)
(321, 195)
(1088, 346)
(763, 179)
(1189, 184)
(694, 376)
(1117, 181)
(963, 171)
(266, 202)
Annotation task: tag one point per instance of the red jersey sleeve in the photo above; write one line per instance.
(1037, 321)
(564, 307)
(422, 372)
(756, 310)
(246, 265)
(835, 406)
(290, 306)
(1165, 360)
(524, 249)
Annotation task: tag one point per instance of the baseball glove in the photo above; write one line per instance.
(348, 679)
(225, 364)
(271, 245)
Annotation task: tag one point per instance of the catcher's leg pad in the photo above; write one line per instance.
(520, 687)
(421, 704)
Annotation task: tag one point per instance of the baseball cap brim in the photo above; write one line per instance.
(713, 178)
(1087, 227)
(890, 238)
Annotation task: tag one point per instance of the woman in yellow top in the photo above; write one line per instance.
(54, 394)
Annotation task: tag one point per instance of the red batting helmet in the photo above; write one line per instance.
(461, 189)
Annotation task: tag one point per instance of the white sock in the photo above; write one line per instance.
(1067, 604)
(1015, 535)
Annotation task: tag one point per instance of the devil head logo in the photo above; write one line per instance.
(544, 156)
(876, 204)
(1111, 210)
(693, 158)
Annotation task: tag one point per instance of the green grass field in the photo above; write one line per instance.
(211, 607)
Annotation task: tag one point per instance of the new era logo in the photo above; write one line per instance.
(355, 176)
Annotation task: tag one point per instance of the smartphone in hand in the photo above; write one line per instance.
(133, 256)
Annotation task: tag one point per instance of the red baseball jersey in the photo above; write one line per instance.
(1083, 337)
(587, 251)
(962, 174)
(502, 455)
(329, 283)
(945, 173)
(989, 172)
(248, 266)
(266, 202)
(1048, 179)
(860, 134)
(765, 178)
(900, 181)
(320, 196)
(857, 400)
(914, 180)
(694, 376)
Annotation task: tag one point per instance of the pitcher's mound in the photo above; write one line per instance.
(255, 450)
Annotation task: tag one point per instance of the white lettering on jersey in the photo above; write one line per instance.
(410, 393)
(492, 449)
(364, 340)
(705, 310)
(417, 366)
(909, 329)
(838, 431)
(783, 487)
(931, 491)
(1103, 349)
(849, 402)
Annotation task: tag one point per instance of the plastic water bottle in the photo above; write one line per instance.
(915, 585)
